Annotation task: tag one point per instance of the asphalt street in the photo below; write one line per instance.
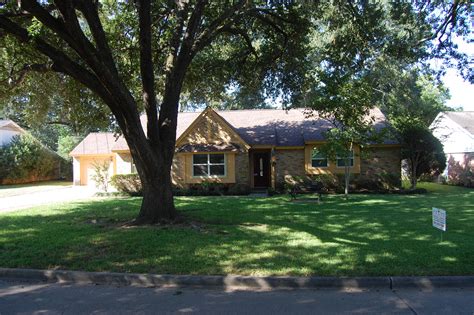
(53, 298)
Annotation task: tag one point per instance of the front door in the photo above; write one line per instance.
(261, 169)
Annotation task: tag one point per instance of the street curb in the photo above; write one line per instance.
(234, 281)
(427, 283)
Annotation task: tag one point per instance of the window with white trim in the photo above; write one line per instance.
(209, 164)
(318, 158)
(341, 160)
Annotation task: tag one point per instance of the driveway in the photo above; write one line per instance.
(21, 198)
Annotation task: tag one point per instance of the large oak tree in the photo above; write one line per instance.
(149, 55)
(138, 55)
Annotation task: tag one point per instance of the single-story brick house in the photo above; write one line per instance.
(258, 148)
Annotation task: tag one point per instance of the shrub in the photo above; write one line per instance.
(25, 159)
(127, 183)
(239, 189)
(101, 175)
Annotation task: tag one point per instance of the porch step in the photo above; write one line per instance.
(258, 192)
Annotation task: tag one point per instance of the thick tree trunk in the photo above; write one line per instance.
(346, 178)
(413, 179)
(158, 204)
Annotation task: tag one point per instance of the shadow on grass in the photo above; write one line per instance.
(365, 235)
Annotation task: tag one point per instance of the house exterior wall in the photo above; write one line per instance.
(454, 138)
(459, 165)
(332, 167)
(123, 163)
(87, 167)
(289, 162)
(242, 171)
(381, 160)
(369, 164)
(458, 145)
(76, 171)
(210, 129)
(7, 133)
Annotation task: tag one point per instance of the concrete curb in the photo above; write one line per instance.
(234, 281)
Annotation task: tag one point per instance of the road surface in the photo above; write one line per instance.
(42, 298)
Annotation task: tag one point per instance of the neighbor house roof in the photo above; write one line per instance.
(10, 123)
(274, 127)
(463, 119)
(95, 143)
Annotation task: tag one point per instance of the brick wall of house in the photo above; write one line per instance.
(289, 163)
(178, 170)
(242, 172)
(381, 160)
(375, 163)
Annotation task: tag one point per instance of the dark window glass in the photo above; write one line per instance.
(200, 159)
(200, 170)
(342, 162)
(216, 158)
(319, 163)
(217, 170)
(318, 159)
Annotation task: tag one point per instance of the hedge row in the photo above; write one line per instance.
(25, 160)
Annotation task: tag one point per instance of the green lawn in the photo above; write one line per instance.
(365, 235)
(23, 189)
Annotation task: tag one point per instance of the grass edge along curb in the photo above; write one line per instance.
(234, 281)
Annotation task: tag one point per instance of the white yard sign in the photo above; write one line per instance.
(439, 219)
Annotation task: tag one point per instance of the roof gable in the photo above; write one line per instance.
(7, 124)
(210, 128)
(464, 119)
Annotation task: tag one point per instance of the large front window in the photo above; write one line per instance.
(318, 158)
(341, 159)
(208, 165)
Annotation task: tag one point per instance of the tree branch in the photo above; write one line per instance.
(61, 62)
(90, 10)
(146, 70)
(216, 26)
(37, 67)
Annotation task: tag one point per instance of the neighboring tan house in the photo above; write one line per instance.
(258, 148)
(9, 129)
(455, 130)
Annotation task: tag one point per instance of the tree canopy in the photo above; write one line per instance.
(117, 59)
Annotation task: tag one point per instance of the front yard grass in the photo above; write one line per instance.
(367, 235)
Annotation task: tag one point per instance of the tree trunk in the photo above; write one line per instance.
(346, 178)
(413, 179)
(157, 205)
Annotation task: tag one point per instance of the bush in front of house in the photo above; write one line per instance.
(26, 160)
(334, 183)
(127, 183)
(210, 188)
(130, 184)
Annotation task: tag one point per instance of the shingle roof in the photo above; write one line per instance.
(94, 144)
(7, 122)
(463, 119)
(274, 127)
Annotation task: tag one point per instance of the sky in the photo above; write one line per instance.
(462, 92)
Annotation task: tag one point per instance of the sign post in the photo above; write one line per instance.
(439, 220)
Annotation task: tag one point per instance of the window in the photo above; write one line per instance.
(341, 160)
(208, 165)
(318, 159)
